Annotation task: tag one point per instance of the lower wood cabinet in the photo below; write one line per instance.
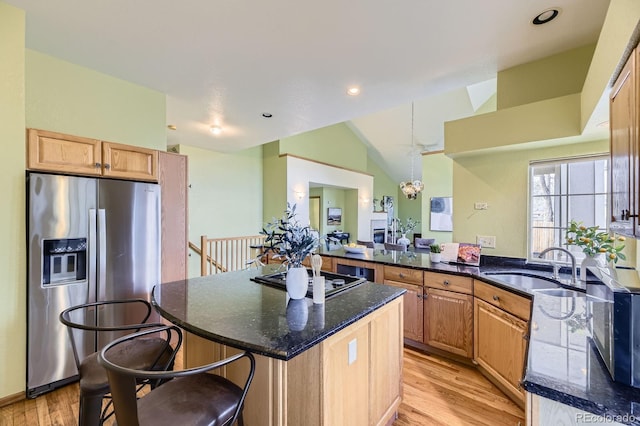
(354, 377)
(500, 347)
(413, 309)
(448, 321)
(410, 280)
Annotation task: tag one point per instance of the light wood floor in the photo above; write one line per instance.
(436, 392)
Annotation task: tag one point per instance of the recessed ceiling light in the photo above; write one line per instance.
(546, 16)
(353, 91)
(267, 115)
(216, 130)
(172, 127)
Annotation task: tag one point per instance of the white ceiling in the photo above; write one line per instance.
(225, 62)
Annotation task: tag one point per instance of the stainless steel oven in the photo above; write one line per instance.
(615, 322)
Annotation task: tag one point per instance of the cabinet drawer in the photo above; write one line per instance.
(449, 282)
(517, 305)
(407, 275)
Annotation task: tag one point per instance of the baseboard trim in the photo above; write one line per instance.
(11, 399)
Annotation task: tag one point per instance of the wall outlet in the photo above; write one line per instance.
(481, 206)
(486, 241)
(353, 351)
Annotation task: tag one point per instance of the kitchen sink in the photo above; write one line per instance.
(524, 280)
(556, 292)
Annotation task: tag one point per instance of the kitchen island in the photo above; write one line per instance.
(335, 363)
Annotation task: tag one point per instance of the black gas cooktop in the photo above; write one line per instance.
(334, 283)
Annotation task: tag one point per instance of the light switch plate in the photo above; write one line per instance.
(486, 241)
(353, 351)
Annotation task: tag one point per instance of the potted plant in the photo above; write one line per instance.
(292, 242)
(434, 253)
(405, 228)
(595, 244)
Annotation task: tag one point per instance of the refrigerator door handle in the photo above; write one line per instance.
(102, 254)
(92, 247)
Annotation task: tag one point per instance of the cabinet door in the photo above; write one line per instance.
(57, 152)
(448, 321)
(622, 125)
(386, 353)
(173, 179)
(129, 162)
(500, 346)
(346, 377)
(413, 310)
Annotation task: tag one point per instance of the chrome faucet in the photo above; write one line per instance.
(568, 253)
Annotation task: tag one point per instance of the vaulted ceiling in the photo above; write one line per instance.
(227, 62)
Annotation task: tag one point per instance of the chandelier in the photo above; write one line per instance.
(412, 188)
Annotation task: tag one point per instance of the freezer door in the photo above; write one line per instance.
(129, 248)
(58, 276)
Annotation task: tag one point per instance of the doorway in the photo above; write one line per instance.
(314, 213)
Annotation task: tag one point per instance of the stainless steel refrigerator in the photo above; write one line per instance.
(88, 240)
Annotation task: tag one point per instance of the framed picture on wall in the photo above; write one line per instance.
(441, 214)
(334, 216)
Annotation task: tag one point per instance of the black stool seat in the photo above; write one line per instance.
(188, 397)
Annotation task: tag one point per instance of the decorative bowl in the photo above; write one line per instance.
(356, 249)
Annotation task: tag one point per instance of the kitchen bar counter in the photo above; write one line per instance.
(233, 310)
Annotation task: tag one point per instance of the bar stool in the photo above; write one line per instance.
(94, 385)
(192, 397)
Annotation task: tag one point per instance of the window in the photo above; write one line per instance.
(561, 191)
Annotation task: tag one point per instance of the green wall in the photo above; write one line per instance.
(274, 182)
(44, 92)
(550, 77)
(500, 179)
(437, 175)
(225, 195)
(382, 184)
(68, 98)
(336, 145)
(13, 292)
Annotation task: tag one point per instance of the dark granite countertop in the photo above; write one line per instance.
(233, 310)
(563, 364)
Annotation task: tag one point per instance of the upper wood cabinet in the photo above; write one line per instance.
(57, 152)
(129, 162)
(623, 122)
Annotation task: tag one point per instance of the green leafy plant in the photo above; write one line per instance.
(288, 239)
(593, 241)
(435, 248)
(407, 227)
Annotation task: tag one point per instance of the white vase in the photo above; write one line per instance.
(596, 261)
(404, 240)
(297, 282)
(435, 257)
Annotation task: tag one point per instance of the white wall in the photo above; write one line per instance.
(300, 172)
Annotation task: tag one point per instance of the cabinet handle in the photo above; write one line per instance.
(496, 298)
(446, 282)
(98, 165)
(401, 275)
(107, 166)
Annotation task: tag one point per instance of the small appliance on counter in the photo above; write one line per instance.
(615, 321)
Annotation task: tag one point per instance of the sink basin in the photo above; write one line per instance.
(524, 280)
(557, 292)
